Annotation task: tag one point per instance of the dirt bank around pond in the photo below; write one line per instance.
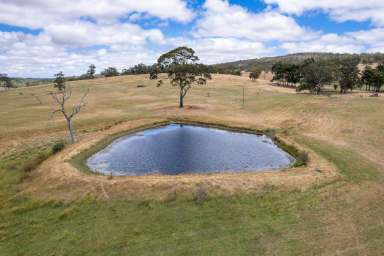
(57, 178)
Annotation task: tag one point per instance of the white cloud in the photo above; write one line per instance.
(341, 10)
(220, 19)
(38, 56)
(326, 43)
(218, 50)
(39, 13)
(85, 34)
(78, 33)
(68, 40)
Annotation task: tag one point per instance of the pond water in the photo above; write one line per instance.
(176, 149)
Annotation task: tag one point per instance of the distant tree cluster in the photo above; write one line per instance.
(5, 81)
(313, 75)
(138, 69)
(287, 74)
(110, 71)
(227, 71)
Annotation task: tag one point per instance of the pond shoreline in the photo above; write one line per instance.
(63, 176)
(79, 160)
(180, 148)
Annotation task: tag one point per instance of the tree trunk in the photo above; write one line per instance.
(181, 104)
(72, 134)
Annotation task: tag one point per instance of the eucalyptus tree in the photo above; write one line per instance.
(368, 78)
(380, 78)
(293, 74)
(255, 73)
(286, 73)
(314, 76)
(5, 81)
(60, 98)
(373, 78)
(59, 82)
(183, 69)
(348, 75)
(91, 71)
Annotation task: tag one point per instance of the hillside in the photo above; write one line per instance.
(267, 62)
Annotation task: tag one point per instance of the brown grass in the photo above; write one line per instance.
(336, 120)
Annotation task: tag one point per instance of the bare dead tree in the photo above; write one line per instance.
(60, 99)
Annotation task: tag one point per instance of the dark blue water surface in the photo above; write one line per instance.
(176, 149)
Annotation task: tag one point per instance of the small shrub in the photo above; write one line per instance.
(200, 195)
(57, 147)
(301, 159)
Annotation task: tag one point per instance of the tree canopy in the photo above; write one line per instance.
(59, 82)
(314, 76)
(348, 74)
(91, 71)
(255, 72)
(373, 78)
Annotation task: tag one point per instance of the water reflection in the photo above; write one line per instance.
(176, 149)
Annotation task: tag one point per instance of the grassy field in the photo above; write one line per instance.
(342, 217)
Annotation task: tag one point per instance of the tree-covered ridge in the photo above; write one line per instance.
(267, 62)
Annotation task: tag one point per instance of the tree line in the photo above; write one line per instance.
(313, 75)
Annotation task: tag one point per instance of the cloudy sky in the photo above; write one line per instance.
(40, 37)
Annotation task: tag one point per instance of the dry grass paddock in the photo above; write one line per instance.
(332, 207)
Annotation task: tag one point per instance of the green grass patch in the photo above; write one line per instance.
(236, 225)
(351, 165)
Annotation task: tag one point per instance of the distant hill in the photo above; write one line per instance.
(267, 62)
(21, 82)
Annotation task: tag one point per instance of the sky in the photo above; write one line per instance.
(39, 38)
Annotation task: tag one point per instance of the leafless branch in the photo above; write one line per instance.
(60, 98)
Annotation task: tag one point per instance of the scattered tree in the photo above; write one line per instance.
(59, 82)
(183, 69)
(60, 99)
(111, 71)
(255, 73)
(253, 76)
(5, 81)
(138, 70)
(91, 71)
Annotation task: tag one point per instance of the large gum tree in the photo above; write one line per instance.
(183, 69)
